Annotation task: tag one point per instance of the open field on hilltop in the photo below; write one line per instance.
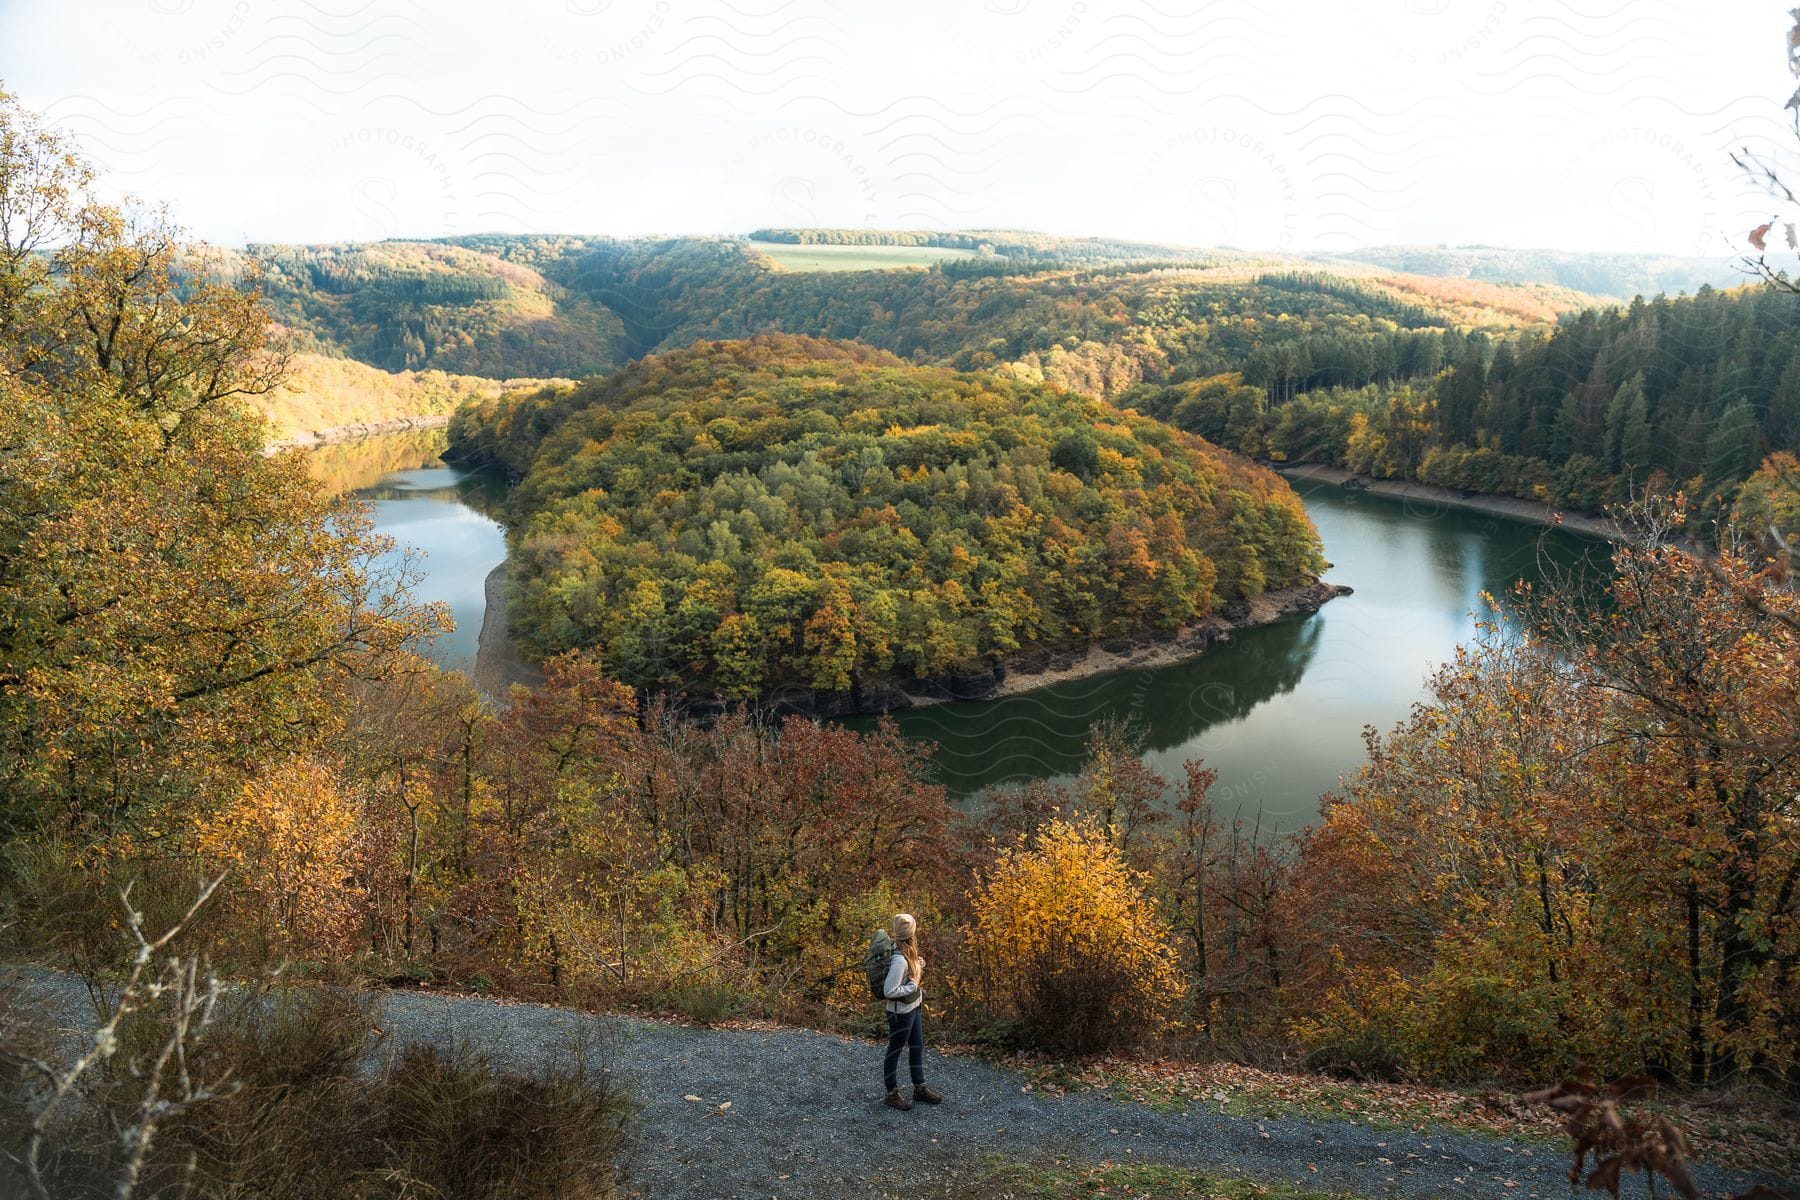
(792, 257)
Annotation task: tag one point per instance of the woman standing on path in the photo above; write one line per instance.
(905, 1016)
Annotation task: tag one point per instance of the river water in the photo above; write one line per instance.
(1279, 710)
(436, 512)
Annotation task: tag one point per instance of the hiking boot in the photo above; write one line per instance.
(924, 1095)
(896, 1100)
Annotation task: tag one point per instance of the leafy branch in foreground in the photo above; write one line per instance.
(1621, 1144)
(184, 1090)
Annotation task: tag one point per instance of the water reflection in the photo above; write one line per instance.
(1278, 710)
(435, 482)
(435, 511)
(354, 465)
(1043, 733)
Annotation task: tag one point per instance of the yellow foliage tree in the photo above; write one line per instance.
(290, 843)
(1073, 948)
(175, 607)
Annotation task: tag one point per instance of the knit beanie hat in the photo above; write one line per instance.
(904, 926)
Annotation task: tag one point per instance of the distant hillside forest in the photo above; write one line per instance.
(1448, 376)
(1617, 276)
(404, 306)
(1089, 314)
(785, 511)
(1690, 393)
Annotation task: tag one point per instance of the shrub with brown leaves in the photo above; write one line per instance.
(1621, 1144)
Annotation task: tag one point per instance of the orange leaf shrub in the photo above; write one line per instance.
(1072, 948)
(291, 844)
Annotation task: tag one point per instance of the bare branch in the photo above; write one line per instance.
(190, 1006)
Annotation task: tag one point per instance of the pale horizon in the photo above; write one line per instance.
(1268, 127)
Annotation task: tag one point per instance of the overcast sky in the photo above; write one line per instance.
(1315, 125)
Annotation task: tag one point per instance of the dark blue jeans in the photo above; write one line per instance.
(906, 1031)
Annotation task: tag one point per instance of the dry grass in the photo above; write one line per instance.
(308, 1107)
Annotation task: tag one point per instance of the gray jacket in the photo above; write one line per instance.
(903, 995)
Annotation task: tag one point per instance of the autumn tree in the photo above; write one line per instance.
(1223, 887)
(1705, 707)
(1582, 848)
(557, 754)
(1073, 950)
(1766, 514)
(1438, 904)
(1119, 792)
(173, 605)
(290, 841)
(409, 744)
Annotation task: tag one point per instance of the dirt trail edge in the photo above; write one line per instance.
(805, 1119)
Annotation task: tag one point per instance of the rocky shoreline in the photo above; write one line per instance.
(1534, 512)
(1029, 670)
(361, 429)
(497, 663)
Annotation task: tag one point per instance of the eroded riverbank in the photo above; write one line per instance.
(1534, 512)
(498, 664)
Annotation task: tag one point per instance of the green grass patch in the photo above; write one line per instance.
(791, 257)
(1029, 1181)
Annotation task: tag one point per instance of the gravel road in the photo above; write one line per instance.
(805, 1117)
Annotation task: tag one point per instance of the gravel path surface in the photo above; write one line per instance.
(805, 1117)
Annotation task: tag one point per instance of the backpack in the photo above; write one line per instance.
(877, 961)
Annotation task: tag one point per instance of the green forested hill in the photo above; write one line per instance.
(1446, 375)
(739, 516)
(1091, 329)
(1690, 393)
(404, 306)
(1086, 313)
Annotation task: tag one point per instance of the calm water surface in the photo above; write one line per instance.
(433, 511)
(1278, 711)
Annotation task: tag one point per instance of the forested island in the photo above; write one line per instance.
(786, 513)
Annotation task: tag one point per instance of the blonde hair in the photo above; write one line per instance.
(907, 946)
